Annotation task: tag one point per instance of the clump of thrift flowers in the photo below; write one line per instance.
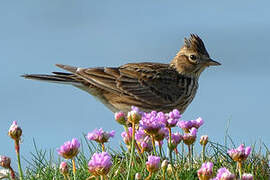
(100, 164)
(206, 171)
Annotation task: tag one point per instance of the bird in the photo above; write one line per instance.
(146, 85)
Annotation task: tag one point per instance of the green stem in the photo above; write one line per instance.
(17, 149)
(74, 169)
(160, 148)
(203, 153)
(171, 150)
(132, 150)
(149, 176)
(12, 173)
(170, 145)
(103, 147)
(239, 164)
(154, 145)
(189, 155)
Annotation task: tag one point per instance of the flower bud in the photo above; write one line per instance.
(5, 162)
(138, 176)
(120, 118)
(247, 176)
(63, 168)
(134, 117)
(164, 165)
(169, 169)
(15, 131)
(204, 140)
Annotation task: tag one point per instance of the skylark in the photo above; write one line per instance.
(149, 86)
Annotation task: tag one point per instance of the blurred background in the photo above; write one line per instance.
(37, 34)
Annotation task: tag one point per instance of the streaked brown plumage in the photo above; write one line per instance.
(149, 86)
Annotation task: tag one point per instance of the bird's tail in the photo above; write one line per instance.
(56, 77)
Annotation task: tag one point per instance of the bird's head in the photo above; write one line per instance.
(193, 57)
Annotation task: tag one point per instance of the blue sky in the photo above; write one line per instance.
(37, 34)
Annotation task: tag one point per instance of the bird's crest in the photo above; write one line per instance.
(196, 43)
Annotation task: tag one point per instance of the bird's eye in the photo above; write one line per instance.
(193, 57)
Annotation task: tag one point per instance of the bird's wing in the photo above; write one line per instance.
(152, 83)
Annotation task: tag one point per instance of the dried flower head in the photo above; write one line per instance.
(70, 149)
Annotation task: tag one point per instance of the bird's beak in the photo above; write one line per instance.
(211, 62)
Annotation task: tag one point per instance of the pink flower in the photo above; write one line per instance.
(152, 123)
(100, 164)
(63, 168)
(197, 123)
(153, 163)
(224, 174)
(100, 136)
(176, 139)
(161, 134)
(127, 137)
(70, 149)
(240, 154)
(172, 118)
(190, 138)
(206, 171)
(187, 125)
(15, 131)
